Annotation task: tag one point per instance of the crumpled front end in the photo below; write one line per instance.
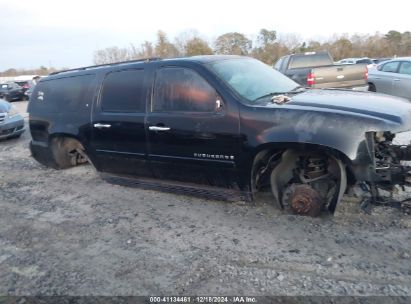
(386, 167)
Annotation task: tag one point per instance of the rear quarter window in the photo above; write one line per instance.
(68, 94)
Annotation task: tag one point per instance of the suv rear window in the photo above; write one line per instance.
(306, 61)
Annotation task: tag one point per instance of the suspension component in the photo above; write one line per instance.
(314, 166)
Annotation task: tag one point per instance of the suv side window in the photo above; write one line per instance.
(182, 90)
(390, 67)
(123, 91)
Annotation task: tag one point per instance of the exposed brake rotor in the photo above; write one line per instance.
(303, 200)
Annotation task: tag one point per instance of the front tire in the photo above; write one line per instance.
(372, 88)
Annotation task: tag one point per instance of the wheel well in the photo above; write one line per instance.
(62, 136)
(317, 168)
(263, 155)
(67, 151)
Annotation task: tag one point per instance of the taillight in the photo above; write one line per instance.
(310, 79)
(366, 74)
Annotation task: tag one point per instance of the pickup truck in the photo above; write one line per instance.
(317, 70)
(219, 126)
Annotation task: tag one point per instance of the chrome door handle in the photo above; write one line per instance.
(101, 126)
(156, 128)
(396, 79)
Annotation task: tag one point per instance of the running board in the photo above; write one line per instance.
(197, 190)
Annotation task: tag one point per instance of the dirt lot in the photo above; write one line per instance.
(70, 233)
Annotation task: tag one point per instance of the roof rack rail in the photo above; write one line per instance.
(107, 64)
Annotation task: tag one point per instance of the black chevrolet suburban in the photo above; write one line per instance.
(220, 126)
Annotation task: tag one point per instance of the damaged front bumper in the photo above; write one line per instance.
(385, 167)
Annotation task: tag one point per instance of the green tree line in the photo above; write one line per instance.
(268, 46)
(42, 70)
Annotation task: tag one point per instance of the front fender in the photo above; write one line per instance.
(343, 133)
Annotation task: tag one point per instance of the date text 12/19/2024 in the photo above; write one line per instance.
(203, 299)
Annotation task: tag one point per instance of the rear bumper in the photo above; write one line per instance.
(12, 127)
(361, 88)
(346, 86)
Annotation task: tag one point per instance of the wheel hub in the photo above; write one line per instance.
(306, 201)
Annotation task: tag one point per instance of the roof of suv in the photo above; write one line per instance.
(200, 59)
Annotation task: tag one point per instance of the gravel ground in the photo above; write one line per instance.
(70, 233)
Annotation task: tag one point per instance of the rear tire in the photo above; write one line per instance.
(372, 88)
(65, 152)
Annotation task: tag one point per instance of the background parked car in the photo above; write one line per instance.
(365, 60)
(25, 84)
(392, 77)
(11, 91)
(317, 70)
(11, 122)
(380, 60)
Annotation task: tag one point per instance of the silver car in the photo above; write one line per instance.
(392, 77)
(11, 122)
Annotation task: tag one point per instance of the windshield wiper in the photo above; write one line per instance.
(296, 90)
(269, 94)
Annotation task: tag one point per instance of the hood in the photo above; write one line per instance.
(4, 106)
(374, 105)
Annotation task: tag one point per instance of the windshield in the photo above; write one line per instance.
(251, 78)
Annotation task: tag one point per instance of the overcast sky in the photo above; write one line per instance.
(66, 33)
